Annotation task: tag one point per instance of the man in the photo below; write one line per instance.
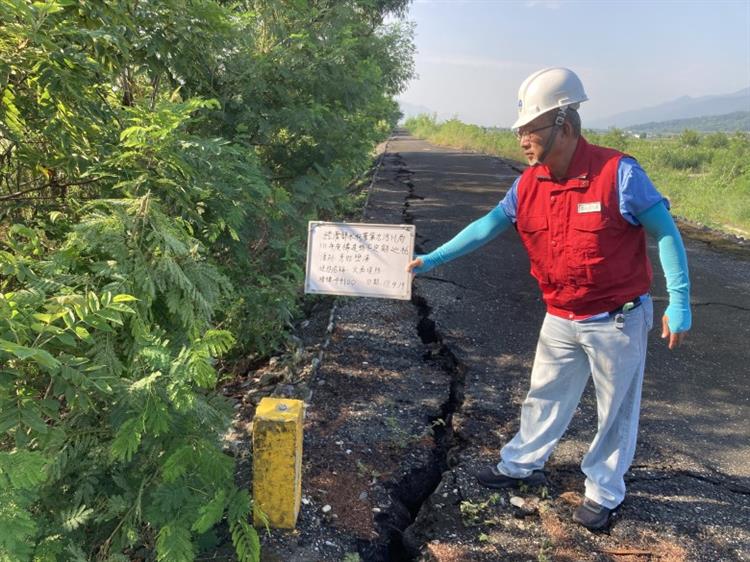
(581, 211)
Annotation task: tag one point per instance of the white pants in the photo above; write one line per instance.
(566, 353)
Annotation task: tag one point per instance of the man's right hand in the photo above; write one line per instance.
(674, 339)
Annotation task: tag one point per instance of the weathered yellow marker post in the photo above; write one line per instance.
(277, 461)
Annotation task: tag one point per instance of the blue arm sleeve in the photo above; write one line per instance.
(659, 223)
(469, 239)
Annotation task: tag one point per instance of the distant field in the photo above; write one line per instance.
(705, 176)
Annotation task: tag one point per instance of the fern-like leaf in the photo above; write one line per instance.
(239, 506)
(127, 440)
(24, 469)
(74, 518)
(245, 540)
(16, 526)
(173, 544)
(75, 553)
(217, 342)
(178, 462)
(211, 513)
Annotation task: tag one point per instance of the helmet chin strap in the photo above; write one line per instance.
(559, 120)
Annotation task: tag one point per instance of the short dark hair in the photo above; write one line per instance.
(572, 117)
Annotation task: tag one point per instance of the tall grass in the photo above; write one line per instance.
(706, 177)
(455, 134)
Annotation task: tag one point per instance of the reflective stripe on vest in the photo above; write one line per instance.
(586, 257)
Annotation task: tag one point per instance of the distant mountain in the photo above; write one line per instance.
(412, 110)
(729, 123)
(680, 108)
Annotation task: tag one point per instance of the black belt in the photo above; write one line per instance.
(636, 302)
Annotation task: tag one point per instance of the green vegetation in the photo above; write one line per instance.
(475, 513)
(705, 176)
(159, 161)
(545, 550)
(462, 135)
(727, 123)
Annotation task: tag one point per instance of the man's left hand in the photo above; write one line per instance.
(675, 338)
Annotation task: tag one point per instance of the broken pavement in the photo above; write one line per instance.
(411, 398)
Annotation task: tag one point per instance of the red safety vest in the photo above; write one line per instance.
(586, 257)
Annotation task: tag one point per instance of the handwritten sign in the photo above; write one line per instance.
(366, 260)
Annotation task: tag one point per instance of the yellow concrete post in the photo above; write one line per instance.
(277, 461)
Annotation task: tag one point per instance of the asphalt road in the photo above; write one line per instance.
(696, 399)
(695, 419)
(412, 398)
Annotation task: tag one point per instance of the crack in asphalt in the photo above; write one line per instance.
(704, 303)
(734, 306)
(411, 492)
(438, 279)
(668, 474)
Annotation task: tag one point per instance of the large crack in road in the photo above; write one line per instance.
(486, 311)
(414, 397)
(410, 493)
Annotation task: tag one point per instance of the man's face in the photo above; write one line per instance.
(533, 136)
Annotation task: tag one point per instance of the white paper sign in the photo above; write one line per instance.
(358, 259)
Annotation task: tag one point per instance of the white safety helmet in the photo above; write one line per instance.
(548, 89)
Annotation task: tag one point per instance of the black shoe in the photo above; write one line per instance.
(593, 516)
(491, 478)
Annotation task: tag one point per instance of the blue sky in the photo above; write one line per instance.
(473, 55)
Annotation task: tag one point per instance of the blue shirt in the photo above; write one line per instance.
(637, 193)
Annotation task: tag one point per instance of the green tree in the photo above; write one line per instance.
(690, 138)
(158, 163)
(615, 138)
(716, 140)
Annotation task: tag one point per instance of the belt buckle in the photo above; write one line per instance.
(631, 305)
